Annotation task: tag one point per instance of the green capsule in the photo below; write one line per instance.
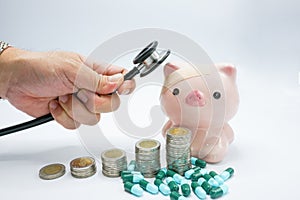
(185, 188)
(227, 174)
(133, 189)
(189, 172)
(205, 185)
(164, 189)
(198, 162)
(218, 192)
(172, 184)
(176, 196)
(195, 176)
(124, 173)
(198, 174)
(161, 174)
(131, 166)
(177, 178)
(211, 180)
(217, 177)
(133, 178)
(149, 187)
(198, 190)
(194, 185)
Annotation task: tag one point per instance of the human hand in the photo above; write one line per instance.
(61, 83)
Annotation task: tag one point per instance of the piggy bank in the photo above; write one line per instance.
(186, 100)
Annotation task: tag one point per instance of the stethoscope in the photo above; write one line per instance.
(146, 62)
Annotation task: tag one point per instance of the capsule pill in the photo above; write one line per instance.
(198, 190)
(123, 173)
(205, 185)
(195, 176)
(185, 188)
(149, 187)
(133, 189)
(164, 189)
(177, 177)
(131, 166)
(198, 162)
(189, 172)
(227, 174)
(161, 174)
(219, 191)
(211, 180)
(172, 184)
(176, 196)
(217, 177)
(133, 178)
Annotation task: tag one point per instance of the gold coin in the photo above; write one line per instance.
(83, 167)
(113, 153)
(52, 171)
(148, 144)
(82, 162)
(177, 131)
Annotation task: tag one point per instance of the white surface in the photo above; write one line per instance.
(260, 37)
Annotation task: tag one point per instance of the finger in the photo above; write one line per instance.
(77, 111)
(88, 79)
(99, 103)
(105, 68)
(61, 116)
(127, 87)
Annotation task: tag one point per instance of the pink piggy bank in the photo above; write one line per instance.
(186, 100)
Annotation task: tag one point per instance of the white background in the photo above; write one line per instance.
(260, 37)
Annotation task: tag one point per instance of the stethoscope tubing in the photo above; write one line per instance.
(146, 52)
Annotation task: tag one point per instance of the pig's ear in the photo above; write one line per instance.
(228, 69)
(169, 68)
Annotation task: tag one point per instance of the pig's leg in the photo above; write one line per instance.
(197, 143)
(219, 150)
(166, 127)
(228, 132)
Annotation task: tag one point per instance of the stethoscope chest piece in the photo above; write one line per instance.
(149, 58)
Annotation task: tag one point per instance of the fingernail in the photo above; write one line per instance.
(115, 77)
(125, 92)
(82, 96)
(63, 98)
(53, 105)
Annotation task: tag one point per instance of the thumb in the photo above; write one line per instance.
(88, 79)
(109, 84)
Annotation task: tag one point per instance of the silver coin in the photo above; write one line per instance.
(147, 157)
(52, 171)
(178, 151)
(83, 167)
(113, 162)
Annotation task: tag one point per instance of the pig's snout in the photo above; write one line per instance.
(195, 98)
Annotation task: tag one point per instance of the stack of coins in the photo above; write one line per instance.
(113, 162)
(178, 149)
(52, 171)
(83, 167)
(147, 157)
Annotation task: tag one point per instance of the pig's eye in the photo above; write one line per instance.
(217, 95)
(175, 91)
